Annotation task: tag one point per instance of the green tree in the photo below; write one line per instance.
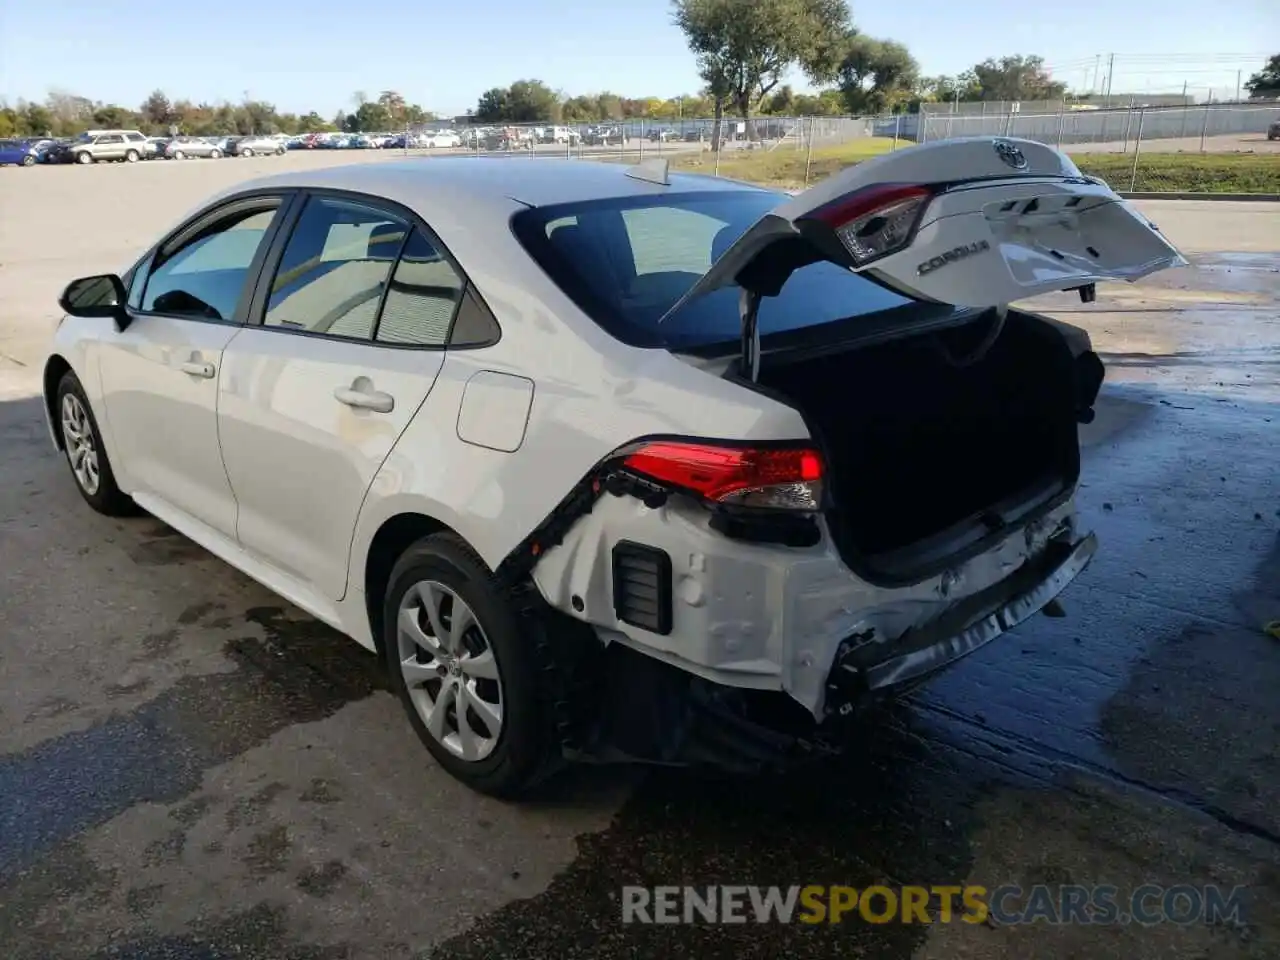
(494, 105)
(745, 47)
(1017, 77)
(156, 110)
(876, 75)
(1266, 82)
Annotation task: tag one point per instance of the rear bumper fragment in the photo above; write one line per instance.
(972, 623)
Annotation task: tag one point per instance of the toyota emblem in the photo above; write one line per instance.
(1010, 154)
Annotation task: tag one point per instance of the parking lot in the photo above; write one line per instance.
(189, 768)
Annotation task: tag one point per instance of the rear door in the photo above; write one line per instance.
(977, 222)
(348, 331)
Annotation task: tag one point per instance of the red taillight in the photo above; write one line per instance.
(876, 221)
(787, 478)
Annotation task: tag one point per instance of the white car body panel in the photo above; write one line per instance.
(299, 460)
(1008, 254)
(164, 418)
(315, 480)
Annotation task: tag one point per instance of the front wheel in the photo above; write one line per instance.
(246, 152)
(28, 161)
(215, 153)
(179, 155)
(131, 156)
(86, 456)
(464, 668)
(84, 157)
(280, 151)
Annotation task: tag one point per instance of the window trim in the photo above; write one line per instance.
(198, 223)
(257, 308)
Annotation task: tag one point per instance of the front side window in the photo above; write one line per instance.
(626, 261)
(205, 278)
(335, 268)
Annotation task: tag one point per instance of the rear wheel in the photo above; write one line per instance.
(246, 152)
(215, 153)
(131, 156)
(86, 456)
(84, 157)
(179, 155)
(463, 665)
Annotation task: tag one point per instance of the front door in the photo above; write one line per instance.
(315, 395)
(160, 375)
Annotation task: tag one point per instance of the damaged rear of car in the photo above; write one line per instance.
(749, 594)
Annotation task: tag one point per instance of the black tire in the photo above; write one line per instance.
(108, 498)
(246, 152)
(84, 156)
(215, 153)
(28, 161)
(525, 753)
(179, 155)
(131, 156)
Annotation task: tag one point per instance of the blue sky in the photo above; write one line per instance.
(305, 54)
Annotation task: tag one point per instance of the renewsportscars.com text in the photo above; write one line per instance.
(1005, 905)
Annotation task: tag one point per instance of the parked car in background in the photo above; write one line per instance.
(19, 153)
(559, 135)
(254, 145)
(97, 146)
(180, 148)
(663, 135)
(442, 139)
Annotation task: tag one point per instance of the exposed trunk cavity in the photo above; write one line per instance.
(933, 445)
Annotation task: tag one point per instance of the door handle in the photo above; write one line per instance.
(374, 400)
(197, 368)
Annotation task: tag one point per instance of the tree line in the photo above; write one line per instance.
(64, 114)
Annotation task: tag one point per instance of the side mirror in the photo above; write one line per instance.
(101, 296)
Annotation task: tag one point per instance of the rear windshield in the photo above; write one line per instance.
(626, 261)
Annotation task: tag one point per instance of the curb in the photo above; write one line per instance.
(1153, 195)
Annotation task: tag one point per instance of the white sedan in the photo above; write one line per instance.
(442, 139)
(609, 462)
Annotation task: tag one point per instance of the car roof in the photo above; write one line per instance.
(435, 182)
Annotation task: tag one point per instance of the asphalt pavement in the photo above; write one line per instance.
(190, 768)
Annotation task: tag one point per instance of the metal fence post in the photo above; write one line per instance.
(1137, 149)
(897, 129)
(1204, 130)
(1008, 122)
(1062, 121)
(808, 157)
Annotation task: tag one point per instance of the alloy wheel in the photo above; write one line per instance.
(449, 670)
(77, 437)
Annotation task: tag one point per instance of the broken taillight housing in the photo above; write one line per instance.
(876, 221)
(774, 477)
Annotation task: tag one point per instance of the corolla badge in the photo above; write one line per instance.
(1010, 154)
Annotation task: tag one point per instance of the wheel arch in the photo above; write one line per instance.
(394, 536)
(55, 368)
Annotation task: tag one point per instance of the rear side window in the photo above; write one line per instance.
(335, 268)
(423, 297)
(627, 261)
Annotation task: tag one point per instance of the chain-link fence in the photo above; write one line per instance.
(1197, 148)
(1214, 148)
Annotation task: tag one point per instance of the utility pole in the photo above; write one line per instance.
(1097, 73)
(1237, 86)
(1111, 72)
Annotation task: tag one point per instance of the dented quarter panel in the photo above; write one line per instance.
(758, 616)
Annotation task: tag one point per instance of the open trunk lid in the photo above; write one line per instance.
(974, 222)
